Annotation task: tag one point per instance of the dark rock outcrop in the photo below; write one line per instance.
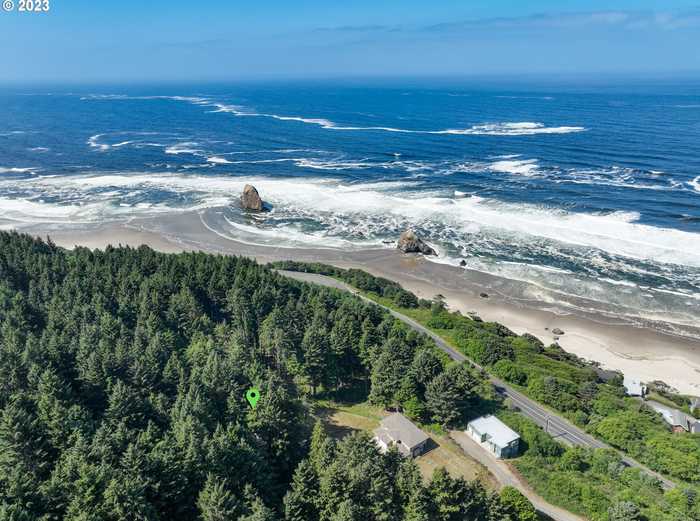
(250, 199)
(463, 263)
(557, 331)
(409, 242)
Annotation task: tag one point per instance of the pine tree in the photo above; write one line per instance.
(300, 503)
(385, 381)
(24, 449)
(408, 478)
(257, 510)
(216, 502)
(315, 353)
(125, 500)
(447, 495)
(443, 399)
(322, 449)
(425, 367)
(420, 506)
(347, 511)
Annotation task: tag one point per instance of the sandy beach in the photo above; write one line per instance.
(641, 352)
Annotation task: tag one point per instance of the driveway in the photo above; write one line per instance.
(506, 477)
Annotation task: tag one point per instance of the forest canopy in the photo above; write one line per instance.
(122, 393)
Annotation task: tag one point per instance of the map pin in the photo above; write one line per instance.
(252, 395)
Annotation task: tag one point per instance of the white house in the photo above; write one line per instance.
(678, 420)
(694, 405)
(634, 387)
(494, 435)
(398, 430)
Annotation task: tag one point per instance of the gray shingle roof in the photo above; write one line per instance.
(398, 428)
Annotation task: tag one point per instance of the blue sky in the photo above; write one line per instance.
(89, 41)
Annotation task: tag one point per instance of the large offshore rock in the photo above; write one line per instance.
(409, 242)
(250, 199)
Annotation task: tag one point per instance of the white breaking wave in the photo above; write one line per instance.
(93, 141)
(15, 170)
(525, 128)
(218, 160)
(547, 98)
(292, 235)
(331, 164)
(521, 128)
(185, 147)
(35, 211)
(525, 167)
(490, 129)
(361, 164)
(377, 208)
(695, 184)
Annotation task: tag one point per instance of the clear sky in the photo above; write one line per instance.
(130, 40)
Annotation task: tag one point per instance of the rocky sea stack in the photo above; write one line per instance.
(409, 242)
(250, 199)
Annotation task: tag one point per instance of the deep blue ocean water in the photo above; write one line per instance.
(579, 190)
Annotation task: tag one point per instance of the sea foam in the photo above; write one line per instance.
(695, 184)
(387, 206)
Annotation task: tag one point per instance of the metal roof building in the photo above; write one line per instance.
(494, 435)
(678, 420)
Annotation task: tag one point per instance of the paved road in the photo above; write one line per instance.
(555, 425)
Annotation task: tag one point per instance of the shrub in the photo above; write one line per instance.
(510, 372)
(517, 505)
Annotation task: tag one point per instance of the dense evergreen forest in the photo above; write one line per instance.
(122, 394)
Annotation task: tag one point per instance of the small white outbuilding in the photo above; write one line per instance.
(634, 387)
(494, 435)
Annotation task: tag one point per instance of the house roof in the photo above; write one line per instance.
(498, 432)
(632, 386)
(398, 428)
(673, 417)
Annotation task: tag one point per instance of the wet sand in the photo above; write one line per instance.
(641, 352)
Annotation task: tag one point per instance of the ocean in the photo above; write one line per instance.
(587, 195)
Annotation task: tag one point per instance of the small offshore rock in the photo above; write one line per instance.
(463, 263)
(409, 242)
(484, 295)
(557, 331)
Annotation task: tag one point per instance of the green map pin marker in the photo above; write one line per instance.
(252, 395)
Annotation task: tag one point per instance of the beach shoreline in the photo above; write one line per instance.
(643, 353)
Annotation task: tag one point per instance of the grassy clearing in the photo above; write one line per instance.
(343, 419)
